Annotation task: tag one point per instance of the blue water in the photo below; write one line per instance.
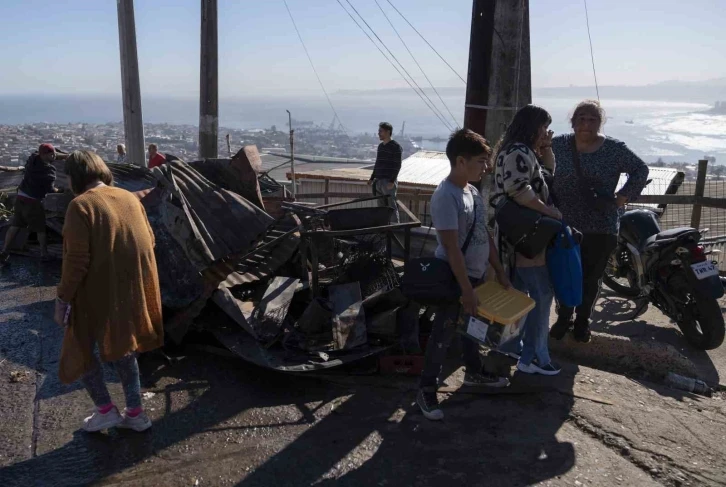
(667, 130)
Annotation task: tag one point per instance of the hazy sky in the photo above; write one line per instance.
(72, 46)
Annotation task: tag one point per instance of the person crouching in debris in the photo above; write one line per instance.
(109, 294)
(388, 164)
(459, 215)
(38, 181)
(156, 158)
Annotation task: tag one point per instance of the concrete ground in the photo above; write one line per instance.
(220, 421)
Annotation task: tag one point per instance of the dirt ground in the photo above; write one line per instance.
(220, 421)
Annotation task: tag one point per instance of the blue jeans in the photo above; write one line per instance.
(535, 281)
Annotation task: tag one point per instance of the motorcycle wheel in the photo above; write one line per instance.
(620, 274)
(703, 323)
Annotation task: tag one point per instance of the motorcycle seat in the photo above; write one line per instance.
(675, 233)
(667, 237)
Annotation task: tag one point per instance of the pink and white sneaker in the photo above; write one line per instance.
(98, 421)
(140, 422)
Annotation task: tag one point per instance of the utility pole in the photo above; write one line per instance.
(499, 79)
(292, 152)
(208, 83)
(130, 86)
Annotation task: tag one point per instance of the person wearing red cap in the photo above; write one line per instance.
(39, 180)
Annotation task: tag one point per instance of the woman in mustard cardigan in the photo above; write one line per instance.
(109, 294)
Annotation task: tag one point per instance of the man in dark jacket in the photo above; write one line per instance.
(39, 180)
(388, 164)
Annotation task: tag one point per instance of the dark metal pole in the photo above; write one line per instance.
(292, 153)
(208, 85)
(480, 54)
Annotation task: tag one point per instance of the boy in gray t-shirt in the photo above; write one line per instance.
(454, 206)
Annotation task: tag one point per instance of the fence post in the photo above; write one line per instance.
(417, 204)
(700, 189)
(327, 190)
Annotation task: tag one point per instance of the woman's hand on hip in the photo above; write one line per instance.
(60, 316)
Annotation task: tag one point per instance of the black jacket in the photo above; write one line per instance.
(39, 177)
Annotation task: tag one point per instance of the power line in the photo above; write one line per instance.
(417, 63)
(427, 42)
(433, 105)
(330, 102)
(421, 94)
(592, 56)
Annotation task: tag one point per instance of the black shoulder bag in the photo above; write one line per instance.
(430, 280)
(527, 230)
(592, 196)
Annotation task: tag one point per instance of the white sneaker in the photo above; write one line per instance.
(533, 368)
(98, 421)
(139, 423)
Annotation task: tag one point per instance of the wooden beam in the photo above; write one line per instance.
(700, 188)
(130, 86)
(659, 199)
(665, 199)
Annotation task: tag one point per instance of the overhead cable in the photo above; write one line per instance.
(417, 63)
(312, 65)
(427, 42)
(413, 80)
(592, 56)
(432, 108)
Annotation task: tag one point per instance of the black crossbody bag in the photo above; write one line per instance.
(430, 280)
(592, 196)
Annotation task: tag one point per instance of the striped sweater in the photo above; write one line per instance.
(388, 161)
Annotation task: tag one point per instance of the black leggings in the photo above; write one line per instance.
(595, 249)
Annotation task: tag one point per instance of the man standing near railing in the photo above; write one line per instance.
(388, 163)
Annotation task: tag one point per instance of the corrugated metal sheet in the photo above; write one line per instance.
(424, 168)
(222, 222)
(126, 176)
(279, 166)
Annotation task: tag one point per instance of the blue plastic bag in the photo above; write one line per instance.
(564, 264)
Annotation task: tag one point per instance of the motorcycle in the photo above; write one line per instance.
(673, 272)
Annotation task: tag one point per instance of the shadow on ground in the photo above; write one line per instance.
(637, 320)
(362, 433)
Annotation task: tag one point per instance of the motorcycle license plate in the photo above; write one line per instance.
(704, 270)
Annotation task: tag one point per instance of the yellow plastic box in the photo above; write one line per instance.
(503, 306)
(500, 314)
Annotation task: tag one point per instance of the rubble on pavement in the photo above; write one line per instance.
(235, 262)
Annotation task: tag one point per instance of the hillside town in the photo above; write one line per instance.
(17, 142)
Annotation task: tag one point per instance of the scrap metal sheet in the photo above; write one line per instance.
(238, 341)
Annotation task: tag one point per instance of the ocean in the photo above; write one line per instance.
(672, 131)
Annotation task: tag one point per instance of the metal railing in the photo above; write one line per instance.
(699, 204)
